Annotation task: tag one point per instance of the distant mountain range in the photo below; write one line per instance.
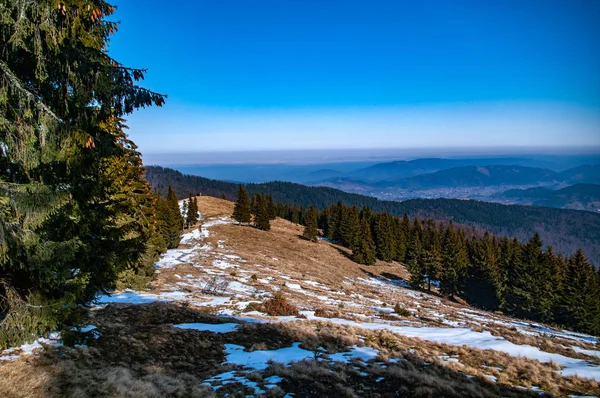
(386, 175)
(428, 178)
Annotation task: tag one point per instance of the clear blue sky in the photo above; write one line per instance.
(333, 73)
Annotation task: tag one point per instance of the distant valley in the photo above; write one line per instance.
(490, 182)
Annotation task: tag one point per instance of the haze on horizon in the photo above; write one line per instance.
(283, 76)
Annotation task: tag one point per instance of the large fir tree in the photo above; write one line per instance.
(71, 218)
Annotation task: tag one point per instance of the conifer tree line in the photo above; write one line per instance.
(519, 279)
(76, 214)
(260, 209)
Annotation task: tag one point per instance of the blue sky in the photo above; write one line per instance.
(302, 74)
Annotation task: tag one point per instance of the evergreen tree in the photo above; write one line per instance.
(271, 208)
(334, 222)
(74, 210)
(454, 263)
(432, 256)
(480, 286)
(242, 208)
(261, 218)
(517, 298)
(310, 225)
(191, 215)
(295, 214)
(348, 226)
(176, 220)
(414, 256)
(364, 253)
(384, 237)
(254, 204)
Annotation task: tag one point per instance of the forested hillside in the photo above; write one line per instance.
(564, 230)
(519, 278)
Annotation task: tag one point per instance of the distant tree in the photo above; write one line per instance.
(261, 218)
(242, 210)
(271, 207)
(223, 196)
(192, 212)
(364, 252)
(310, 225)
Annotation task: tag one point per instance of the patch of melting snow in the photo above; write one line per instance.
(480, 340)
(208, 327)
(13, 354)
(213, 302)
(231, 377)
(258, 360)
(591, 353)
(133, 297)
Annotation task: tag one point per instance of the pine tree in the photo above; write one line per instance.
(242, 208)
(261, 218)
(364, 253)
(310, 225)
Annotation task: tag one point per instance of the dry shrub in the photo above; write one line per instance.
(279, 306)
(325, 313)
(398, 309)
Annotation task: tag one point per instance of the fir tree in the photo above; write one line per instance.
(72, 196)
(414, 256)
(480, 286)
(261, 218)
(310, 225)
(364, 253)
(242, 208)
(271, 207)
(176, 220)
(384, 237)
(454, 263)
(348, 227)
